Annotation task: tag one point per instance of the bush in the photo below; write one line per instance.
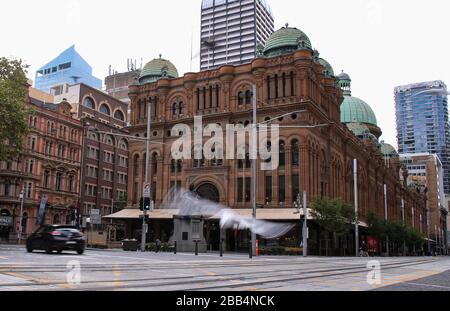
(165, 247)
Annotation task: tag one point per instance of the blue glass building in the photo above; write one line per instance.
(423, 122)
(68, 68)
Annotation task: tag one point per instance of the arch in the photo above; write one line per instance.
(208, 191)
(123, 144)
(119, 115)
(89, 102)
(109, 140)
(105, 109)
(56, 219)
(214, 180)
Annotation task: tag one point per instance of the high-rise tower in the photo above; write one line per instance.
(231, 31)
(422, 122)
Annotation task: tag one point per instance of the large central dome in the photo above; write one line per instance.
(156, 69)
(286, 40)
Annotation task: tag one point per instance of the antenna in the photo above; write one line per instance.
(142, 62)
(192, 42)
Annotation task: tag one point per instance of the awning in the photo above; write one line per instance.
(279, 214)
(136, 214)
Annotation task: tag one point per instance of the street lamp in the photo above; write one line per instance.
(21, 196)
(299, 206)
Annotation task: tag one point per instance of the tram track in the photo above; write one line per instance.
(244, 279)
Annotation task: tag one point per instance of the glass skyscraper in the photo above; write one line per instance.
(423, 122)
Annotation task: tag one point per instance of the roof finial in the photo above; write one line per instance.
(287, 25)
(160, 55)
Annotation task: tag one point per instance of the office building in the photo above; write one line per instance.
(66, 69)
(422, 122)
(232, 31)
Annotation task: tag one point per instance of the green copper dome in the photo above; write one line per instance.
(156, 69)
(388, 151)
(355, 110)
(286, 40)
(328, 69)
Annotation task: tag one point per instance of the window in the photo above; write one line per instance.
(276, 86)
(105, 109)
(92, 171)
(107, 175)
(282, 188)
(93, 153)
(7, 190)
(89, 103)
(30, 166)
(155, 164)
(239, 189)
(28, 191)
(295, 186)
(90, 190)
(268, 189)
(65, 66)
(268, 87)
(119, 115)
(292, 84)
(240, 98)
(108, 157)
(282, 154)
(284, 84)
(295, 153)
(109, 140)
(247, 189)
(70, 185)
(248, 97)
(174, 109)
(59, 178)
(181, 108)
(46, 179)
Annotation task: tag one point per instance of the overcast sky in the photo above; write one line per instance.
(380, 43)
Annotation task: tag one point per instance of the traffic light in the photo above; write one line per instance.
(147, 204)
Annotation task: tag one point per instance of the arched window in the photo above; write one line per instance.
(70, 185)
(181, 108)
(282, 154)
(248, 97)
(56, 219)
(123, 144)
(172, 166)
(284, 84)
(295, 153)
(180, 165)
(109, 140)
(105, 109)
(240, 98)
(276, 86)
(136, 166)
(119, 115)
(155, 163)
(174, 109)
(89, 103)
(93, 136)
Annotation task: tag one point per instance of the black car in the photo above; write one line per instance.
(56, 238)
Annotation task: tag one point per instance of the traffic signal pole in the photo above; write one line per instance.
(147, 160)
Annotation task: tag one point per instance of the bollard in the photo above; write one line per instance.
(250, 250)
(196, 248)
(175, 244)
(221, 248)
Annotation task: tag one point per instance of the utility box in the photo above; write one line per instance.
(188, 230)
(130, 245)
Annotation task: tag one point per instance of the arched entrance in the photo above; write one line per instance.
(208, 192)
(211, 231)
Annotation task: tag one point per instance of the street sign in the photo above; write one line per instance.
(146, 192)
(95, 218)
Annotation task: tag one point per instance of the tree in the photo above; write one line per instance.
(377, 227)
(14, 112)
(333, 215)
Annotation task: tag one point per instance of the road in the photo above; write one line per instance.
(115, 270)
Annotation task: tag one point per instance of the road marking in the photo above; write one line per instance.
(117, 276)
(1, 257)
(429, 285)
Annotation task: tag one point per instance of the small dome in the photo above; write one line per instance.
(388, 151)
(156, 69)
(355, 110)
(344, 76)
(286, 40)
(328, 69)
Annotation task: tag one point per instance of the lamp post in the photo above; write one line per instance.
(303, 205)
(21, 196)
(355, 185)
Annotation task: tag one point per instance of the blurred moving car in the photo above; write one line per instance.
(57, 238)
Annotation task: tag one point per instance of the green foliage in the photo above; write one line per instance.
(396, 231)
(333, 215)
(14, 112)
(165, 247)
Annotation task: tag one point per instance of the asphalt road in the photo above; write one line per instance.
(115, 270)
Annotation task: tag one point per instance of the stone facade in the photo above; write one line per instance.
(316, 160)
(49, 166)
